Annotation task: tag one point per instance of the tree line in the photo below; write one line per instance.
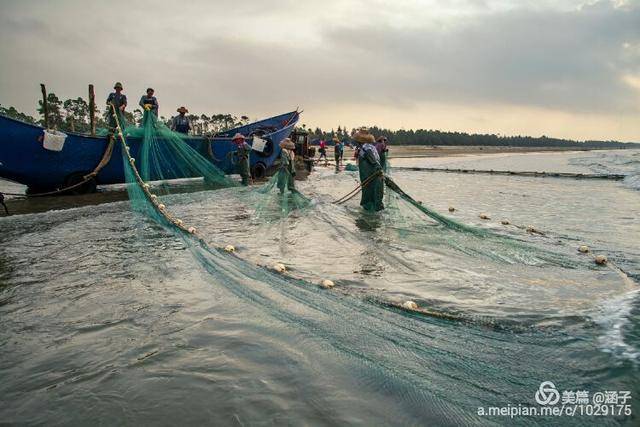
(72, 115)
(440, 138)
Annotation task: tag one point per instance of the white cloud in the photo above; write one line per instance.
(262, 57)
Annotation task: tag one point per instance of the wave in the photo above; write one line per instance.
(621, 163)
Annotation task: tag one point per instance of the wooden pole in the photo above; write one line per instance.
(92, 110)
(45, 106)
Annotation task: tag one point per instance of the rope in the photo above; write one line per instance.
(350, 195)
(106, 157)
(210, 149)
(152, 198)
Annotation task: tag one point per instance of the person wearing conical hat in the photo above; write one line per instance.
(241, 155)
(287, 170)
(338, 151)
(119, 101)
(371, 176)
(180, 123)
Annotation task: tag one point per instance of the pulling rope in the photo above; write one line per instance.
(152, 198)
(351, 194)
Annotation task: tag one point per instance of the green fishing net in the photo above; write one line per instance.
(173, 163)
(272, 204)
(165, 155)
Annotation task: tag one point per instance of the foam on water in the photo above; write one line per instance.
(614, 317)
(614, 162)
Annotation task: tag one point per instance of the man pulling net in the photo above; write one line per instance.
(287, 170)
(371, 175)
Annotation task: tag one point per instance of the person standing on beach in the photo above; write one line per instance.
(287, 170)
(337, 151)
(149, 102)
(382, 149)
(119, 101)
(180, 123)
(242, 153)
(371, 174)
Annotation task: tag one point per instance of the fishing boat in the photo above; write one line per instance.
(45, 161)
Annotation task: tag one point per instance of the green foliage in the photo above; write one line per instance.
(76, 115)
(439, 138)
(72, 115)
(55, 114)
(15, 114)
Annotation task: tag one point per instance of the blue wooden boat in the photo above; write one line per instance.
(25, 160)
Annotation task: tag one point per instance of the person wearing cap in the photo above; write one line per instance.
(371, 176)
(338, 150)
(382, 149)
(149, 102)
(119, 101)
(242, 155)
(180, 123)
(287, 170)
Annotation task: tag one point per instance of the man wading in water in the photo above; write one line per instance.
(287, 169)
(382, 149)
(371, 176)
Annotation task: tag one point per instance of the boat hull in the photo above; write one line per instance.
(25, 160)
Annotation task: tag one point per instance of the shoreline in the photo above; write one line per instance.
(417, 151)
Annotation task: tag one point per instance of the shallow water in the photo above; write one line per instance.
(108, 318)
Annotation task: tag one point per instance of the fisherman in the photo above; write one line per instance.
(149, 102)
(338, 150)
(242, 155)
(323, 151)
(382, 149)
(371, 175)
(287, 170)
(119, 101)
(180, 123)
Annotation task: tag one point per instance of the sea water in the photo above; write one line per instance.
(107, 318)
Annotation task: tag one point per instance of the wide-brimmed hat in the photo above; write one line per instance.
(182, 110)
(363, 136)
(118, 85)
(238, 136)
(287, 144)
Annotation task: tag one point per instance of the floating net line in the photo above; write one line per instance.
(162, 151)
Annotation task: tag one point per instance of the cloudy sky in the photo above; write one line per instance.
(566, 68)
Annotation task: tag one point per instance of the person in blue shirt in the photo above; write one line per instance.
(180, 123)
(119, 101)
(149, 102)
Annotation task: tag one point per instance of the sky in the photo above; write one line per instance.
(564, 68)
